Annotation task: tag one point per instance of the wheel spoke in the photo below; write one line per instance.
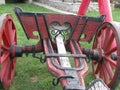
(4, 57)
(113, 49)
(103, 37)
(109, 42)
(108, 69)
(13, 37)
(6, 39)
(13, 67)
(5, 72)
(105, 74)
(106, 35)
(100, 43)
(9, 33)
(4, 47)
(11, 30)
(97, 68)
(113, 63)
(101, 73)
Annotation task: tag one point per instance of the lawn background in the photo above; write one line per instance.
(30, 73)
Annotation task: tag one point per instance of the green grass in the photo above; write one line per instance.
(30, 73)
(116, 15)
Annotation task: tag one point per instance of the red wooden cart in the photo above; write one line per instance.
(59, 37)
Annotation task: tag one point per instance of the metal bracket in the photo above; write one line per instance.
(41, 58)
(56, 29)
(56, 82)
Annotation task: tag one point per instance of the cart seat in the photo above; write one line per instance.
(72, 27)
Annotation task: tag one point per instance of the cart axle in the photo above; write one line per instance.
(18, 51)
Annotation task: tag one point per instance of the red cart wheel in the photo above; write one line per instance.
(7, 38)
(107, 43)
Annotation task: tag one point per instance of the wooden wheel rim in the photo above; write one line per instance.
(106, 42)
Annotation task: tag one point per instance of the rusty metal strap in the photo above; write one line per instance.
(66, 55)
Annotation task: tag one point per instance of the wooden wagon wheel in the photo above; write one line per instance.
(107, 43)
(7, 38)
